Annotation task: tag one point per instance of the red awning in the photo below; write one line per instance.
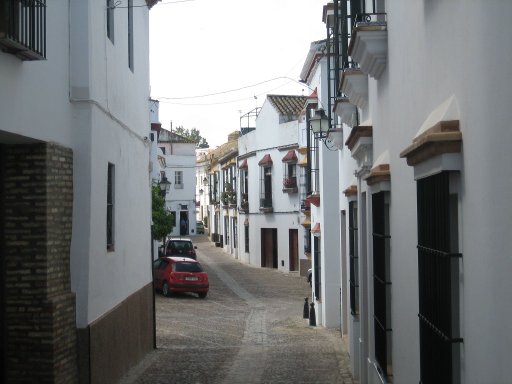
(290, 157)
(316, 229)
(267, 160)
(244, 164)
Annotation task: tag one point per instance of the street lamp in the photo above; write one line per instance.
(164, 186)
(319, 124)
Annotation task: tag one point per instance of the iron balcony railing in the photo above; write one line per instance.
(23, 28)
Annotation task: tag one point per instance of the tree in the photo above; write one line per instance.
(193, 135)
(163, 221)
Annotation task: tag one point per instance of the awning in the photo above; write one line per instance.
(290, 157)
(316, 229)
(243, 165)
(266, 160)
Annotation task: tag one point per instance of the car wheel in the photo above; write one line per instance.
(202, 295)
(165, 290)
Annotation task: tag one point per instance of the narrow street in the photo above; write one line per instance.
(249, 329)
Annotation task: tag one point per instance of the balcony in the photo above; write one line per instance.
(23, 28)
(369, 44)
(346, 111)
(354, 84)
(290, 184)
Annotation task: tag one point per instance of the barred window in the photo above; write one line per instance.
(317, 256)
(354, 259)
(23, 28)
(110, 20)
(246, 233)
(438, 278)
(382, 282)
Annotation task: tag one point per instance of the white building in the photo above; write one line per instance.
(75, 193)
(180, 163)
(269, 229)
(422, 260)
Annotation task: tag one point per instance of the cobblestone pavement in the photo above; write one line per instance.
(248, 330)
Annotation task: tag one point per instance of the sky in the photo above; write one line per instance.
(235, 51)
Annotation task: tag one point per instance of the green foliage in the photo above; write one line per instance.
(193, 135)
(163, 221)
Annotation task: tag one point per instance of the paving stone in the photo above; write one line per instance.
(249, 329)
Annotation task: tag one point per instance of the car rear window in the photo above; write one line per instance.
(180, 245)
(184, 266)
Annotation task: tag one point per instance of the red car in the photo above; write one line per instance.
(180, 274)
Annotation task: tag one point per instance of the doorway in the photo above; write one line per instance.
(269, 247)
(184, 223)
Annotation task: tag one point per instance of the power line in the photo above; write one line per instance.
(116, 4)
(232, 90)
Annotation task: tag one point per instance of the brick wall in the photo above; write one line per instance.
(39, 307)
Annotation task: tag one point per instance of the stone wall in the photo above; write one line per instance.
(39, 307)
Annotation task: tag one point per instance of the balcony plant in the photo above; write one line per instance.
(289, 182)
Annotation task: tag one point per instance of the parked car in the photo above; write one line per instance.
(199, 227)
(309, 276)
(180, 247)
(180, 274)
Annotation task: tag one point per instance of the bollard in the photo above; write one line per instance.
(312, 315)
(305, 314)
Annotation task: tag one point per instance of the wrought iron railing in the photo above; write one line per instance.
(23, 28)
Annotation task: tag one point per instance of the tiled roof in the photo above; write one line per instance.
(287, 105)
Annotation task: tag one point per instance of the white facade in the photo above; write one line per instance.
(85, 97)
(420, 108)
(180, 160)
(274, 234)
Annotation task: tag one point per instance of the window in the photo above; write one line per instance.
(381, 282)
(354, 259)
(314, 181)
(244, 190)
(178, 179)
(226, 230)
(438, 280)
(110, 20)
(23, 28)
(266, 188)
(317, 267)
(130, 34)
(246, 235)
(235, 233)
(290, 176)
(110, 206)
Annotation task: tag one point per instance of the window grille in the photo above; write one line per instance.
(130, 34)
(438, 263)
(110, 20)
(382, 281)
(266, 188)
(354, 259)
(23, 28)
(110, 206)
(246, 233)
(317, 267)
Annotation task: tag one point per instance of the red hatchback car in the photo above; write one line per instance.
(180, 274)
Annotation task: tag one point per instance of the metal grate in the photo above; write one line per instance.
(354, 258)
(436, 266)
(23, 28)
(381, 281)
